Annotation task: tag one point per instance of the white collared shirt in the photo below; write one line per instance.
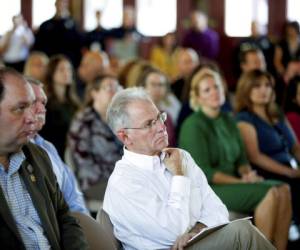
(150, 208)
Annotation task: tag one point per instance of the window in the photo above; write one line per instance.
(156, 17)
(240, 14)
(8, 9)
(111, 16)
(293, 7)
(42, 11)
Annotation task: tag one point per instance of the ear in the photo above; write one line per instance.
(123, 137)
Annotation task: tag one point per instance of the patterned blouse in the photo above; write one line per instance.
(94, 148)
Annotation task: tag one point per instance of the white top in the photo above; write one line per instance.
(19, 45)
(150, 208)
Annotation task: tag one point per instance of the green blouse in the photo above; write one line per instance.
(214, 143)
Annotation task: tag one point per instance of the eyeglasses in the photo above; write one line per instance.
(162, 117)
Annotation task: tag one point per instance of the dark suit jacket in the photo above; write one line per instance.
(61, 229)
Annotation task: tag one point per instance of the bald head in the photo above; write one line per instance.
(188, 59)
(198, 20)
(93, 64)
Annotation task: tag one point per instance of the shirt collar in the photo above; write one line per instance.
(37, 139)
(15, 161)
(144, 161)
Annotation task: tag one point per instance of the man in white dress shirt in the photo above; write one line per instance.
(157, 197)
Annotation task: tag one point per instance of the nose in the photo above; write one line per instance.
(160, 124)
(29, 115)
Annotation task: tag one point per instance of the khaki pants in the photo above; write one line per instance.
(236, 235)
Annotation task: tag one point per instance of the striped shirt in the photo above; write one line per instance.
(21, 206)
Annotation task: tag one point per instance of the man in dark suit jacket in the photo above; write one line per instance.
(33, 213)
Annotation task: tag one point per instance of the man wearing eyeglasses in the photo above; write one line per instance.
(157, 197)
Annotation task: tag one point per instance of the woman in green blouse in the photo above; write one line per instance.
(213, 140)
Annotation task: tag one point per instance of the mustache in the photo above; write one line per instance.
(40, 117)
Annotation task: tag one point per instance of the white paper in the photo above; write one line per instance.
(207, 230)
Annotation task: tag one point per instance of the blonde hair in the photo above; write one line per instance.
(29, 61)
(195, 83)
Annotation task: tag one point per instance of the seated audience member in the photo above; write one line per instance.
(124, 70)
(213, 140)
(62, 101)
(33, 212)
(292, 105)
(269, 141)
(157, 197)
(292, 70)
(170, 103)
(251, 59)
(65, 177)
(157, 86)
(187, 61)
(93, 146)
(92, 64)
(134, 72)
(186, 109)
(164, 55)
(36, 65)
(288, 48)
(259, 40)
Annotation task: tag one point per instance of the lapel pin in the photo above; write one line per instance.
(30, 171)
(32, 178)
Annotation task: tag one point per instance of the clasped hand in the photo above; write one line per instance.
(173, 161)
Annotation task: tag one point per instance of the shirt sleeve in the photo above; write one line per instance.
(211, 210)
(71, 192)
(163, 218)
(68, 183)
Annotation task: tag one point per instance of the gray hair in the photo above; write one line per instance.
(33, 81)
(117, 115)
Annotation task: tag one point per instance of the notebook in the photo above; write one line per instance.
(208, 230)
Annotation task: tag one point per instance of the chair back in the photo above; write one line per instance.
(103, 219)
(97, 235)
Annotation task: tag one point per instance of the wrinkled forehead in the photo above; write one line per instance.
(141, 110)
